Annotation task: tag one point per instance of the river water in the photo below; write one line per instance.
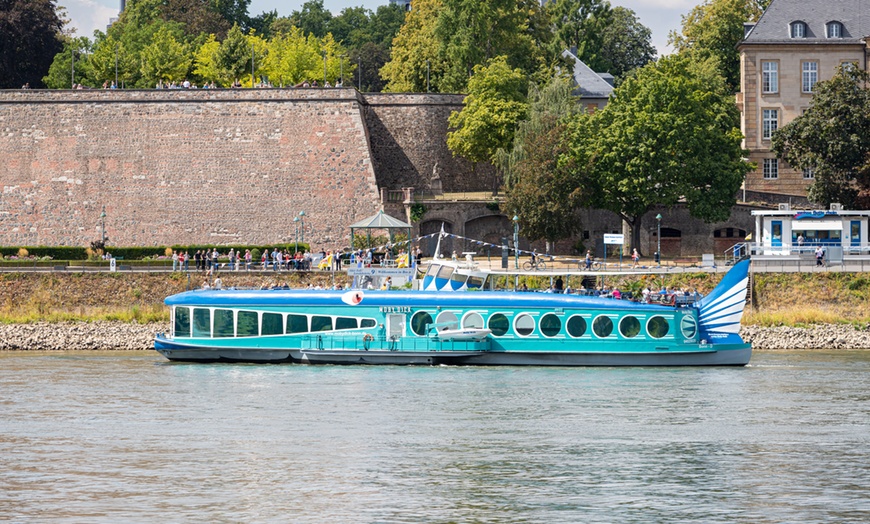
(131, 437)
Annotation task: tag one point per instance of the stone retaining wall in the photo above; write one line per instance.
(125, 337)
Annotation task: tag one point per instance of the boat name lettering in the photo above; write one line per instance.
(395, 309)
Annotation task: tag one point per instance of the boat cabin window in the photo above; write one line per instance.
(472, 320)
(201, 322)
(550, 325)
(247, 324)
(223, 323)
(602, 326)
(460, 278)
(445, 272)
(474, 282)
(629, 327)
(657, 327)
(297, 324)
(182, 322)
(319, 323)
(367, 323)
(447, 320)
(345, 323)
(273, 324)
(420, 323)
(432, 270)
(524, 324)
(576, 326)
(499, 324)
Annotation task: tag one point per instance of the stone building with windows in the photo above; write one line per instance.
(794, 45)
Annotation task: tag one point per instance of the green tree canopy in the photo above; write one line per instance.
(626, 44)
(669, 134)
(415, 49)
(542, 193)
(165, 59)
(60, 73)
(832, 137)
(30, 37)
(713, 29)
(495, 104)
(580, 25)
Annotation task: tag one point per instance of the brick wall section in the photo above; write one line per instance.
(408, 134)
(183, 166)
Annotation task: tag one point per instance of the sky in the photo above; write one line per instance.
(661, 16)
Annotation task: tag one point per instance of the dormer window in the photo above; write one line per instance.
(835, 30)
(798, 30)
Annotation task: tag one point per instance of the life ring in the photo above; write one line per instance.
(368, 337)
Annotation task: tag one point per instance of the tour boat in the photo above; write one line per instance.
(483, 328)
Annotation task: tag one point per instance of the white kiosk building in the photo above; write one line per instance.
(789, 234)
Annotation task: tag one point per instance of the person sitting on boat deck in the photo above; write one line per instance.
(217, 283)
(524, 287)
(616, 294)
(205, 284)
(646, 292)
(588, 260)
(388, 282)
(559, 286)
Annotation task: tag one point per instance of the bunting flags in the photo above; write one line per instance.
(473, 241)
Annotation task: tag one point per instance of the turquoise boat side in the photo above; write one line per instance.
(415, 327)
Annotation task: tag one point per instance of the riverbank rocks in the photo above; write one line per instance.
(50, 336)
(822, 336)
(120, 336)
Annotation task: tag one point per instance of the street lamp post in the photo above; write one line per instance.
(516, 242)
(103, 227)
(659, 239)
(427, 76)
(341, 69)
(296, 241)
(252, 66)
(116, 67)
(302, 226)
(359, 67)
(324, 69)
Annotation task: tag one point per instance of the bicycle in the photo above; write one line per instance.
(540, 265)
(593, 266)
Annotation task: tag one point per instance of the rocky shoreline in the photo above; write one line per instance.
(120, 336)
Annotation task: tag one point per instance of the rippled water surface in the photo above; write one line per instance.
(115, 437)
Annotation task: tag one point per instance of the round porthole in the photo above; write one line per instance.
(629, 327)
(689, 326)
(657, 327)
(499, 324)
(472, 320)
(576, 326)
(524, 324)
(602, 326)
(420, 323)
(550, 325)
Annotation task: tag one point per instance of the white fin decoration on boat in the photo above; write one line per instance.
(722, 309)
(352, 298)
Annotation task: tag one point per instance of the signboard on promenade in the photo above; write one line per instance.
(614, 239)
(393, 272)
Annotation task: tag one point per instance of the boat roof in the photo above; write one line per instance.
(416, 299)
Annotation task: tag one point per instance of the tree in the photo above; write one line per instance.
(234, 55)
(495, 104)
(626, 44)
(471, 32)
(713, 29)
(30, 37)
(832, 138)
(415, 51)
(165, 59)
(543, 194)
(370, 58)
(196, 16)
(580, 25)
(669, 134)
(313, 18)
(60, 73)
